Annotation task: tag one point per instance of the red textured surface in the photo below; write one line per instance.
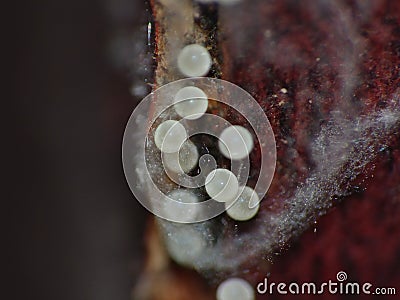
(360, 236)
(309, 50)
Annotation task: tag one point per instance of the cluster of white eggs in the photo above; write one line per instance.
(180, 155)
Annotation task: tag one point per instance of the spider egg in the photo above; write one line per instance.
(223, 2)
(194, 60)
(222, 185)
(184, 244)
(235, 289)
(190, 102)
(169, 136)
(182, 214)
(184, 160)
(245, 207)
(235, 142)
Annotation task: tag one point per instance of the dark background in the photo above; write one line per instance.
(75, 228)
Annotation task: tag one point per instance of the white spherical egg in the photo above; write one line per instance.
(169, 136)
(185, 244)
(235, 289)
(194, 60)
(190, 102)
(224, 2)
(245, 207)
(222, 185)
(235, 142)
(183, 213)
(184, 160)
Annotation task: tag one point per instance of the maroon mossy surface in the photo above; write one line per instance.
(360, 236)
(302, 61)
